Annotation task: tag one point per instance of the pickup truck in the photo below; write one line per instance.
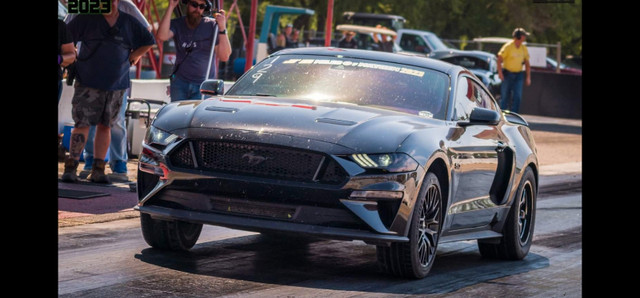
(419, 41)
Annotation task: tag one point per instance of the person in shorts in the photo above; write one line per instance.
(108, 45)
(117, 153)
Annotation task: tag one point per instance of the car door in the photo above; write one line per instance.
(474, 154)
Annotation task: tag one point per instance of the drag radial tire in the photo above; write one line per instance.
(169, 235)
(415, 258)
(517, 233)
(162, 234)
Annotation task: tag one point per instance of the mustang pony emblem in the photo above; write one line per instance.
(254, 159)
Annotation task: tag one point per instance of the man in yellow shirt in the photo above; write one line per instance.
(511, 57)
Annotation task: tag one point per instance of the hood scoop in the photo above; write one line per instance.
(336, 121)
(221, 109)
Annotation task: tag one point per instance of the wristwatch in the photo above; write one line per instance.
(223, 31)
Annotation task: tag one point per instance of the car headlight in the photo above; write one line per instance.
(158, 136)
(392, 162)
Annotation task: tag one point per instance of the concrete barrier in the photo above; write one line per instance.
(553, 95)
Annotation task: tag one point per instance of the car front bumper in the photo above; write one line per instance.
(374, 208)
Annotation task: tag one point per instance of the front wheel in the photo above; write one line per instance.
(517, 233)
(415, 258)
(169, 235)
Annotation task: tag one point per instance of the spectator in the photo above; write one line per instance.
(384, 42)
(287, 36)
(511, 57)
(294, 38)
(66, 52)
(281, 42)
(118, 155)
(348, 41)
(110, 44)
(193, 36)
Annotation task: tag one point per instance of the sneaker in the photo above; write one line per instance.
(119, 167)
(88, 163)
(118, 177)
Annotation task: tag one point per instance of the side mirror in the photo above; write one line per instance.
(212, 87)
(482, 116)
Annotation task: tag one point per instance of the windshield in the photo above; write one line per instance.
(404, 88)
(436, 43)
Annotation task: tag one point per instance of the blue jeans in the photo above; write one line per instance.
(117, 147)
(512, 84)
(183, 90)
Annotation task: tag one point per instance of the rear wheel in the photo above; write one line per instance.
(517, 234)
(415, 258)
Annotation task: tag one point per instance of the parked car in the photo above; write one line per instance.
(420, 41)
(482, 64)
(364, 37)
(398, 151)
(393, 22)
(551, 67)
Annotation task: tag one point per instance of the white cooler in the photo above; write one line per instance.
(139, 114)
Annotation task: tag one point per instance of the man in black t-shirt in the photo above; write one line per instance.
(348, 41)
(108, 45)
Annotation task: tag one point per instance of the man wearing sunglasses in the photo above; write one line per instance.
(193, 36)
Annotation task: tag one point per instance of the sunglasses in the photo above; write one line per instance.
(196, 5)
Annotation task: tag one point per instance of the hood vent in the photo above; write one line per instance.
(336, 121)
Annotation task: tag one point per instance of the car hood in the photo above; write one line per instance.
(360, 128)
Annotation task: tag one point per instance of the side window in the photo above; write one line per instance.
(484, 99)
(413, 43)
(466, 98)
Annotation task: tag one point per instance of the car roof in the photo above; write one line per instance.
(415, 31)
(399, 58)
(357, 15)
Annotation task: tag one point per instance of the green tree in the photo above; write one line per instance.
(450, 19)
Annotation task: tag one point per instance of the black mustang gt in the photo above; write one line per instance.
(398, 151)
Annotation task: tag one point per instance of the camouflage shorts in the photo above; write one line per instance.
(91, 106)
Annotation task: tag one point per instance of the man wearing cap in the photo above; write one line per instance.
(511, 57)
(289, 41)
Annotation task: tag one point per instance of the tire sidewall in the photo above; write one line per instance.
(419, 270)
(519, 250)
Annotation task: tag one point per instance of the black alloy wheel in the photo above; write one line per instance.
(429, 226)
(525, 213)
(517, 233)
(415, 258)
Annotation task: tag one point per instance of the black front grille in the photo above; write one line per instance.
(257, 160)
